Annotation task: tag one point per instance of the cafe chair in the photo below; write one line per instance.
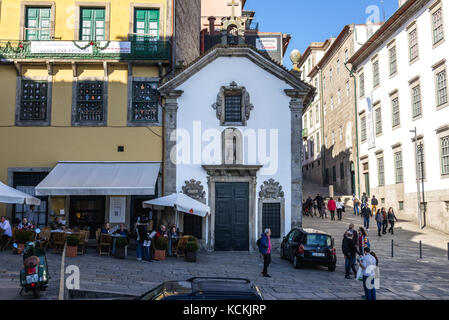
(84, 240)
(44, 238)
(59, 239)
(105, 243)
(181, 247)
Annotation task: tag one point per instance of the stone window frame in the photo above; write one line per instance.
(442, 132)
(380, 156)
(236, 134)
(317, 114)
(437, 69)
(393, 96)
(413, 83)
(219, 105)
(420, 139)
(276, 197)
(377, 107)
(33, 123)
(130, 121)
(411, 28)
(75, 82)
(437, 5)
(391, 46)
(362, 117)
(397, 148)
(361, 88)
(107, 17)
(374, 61)
(25, 4)
(147, 5)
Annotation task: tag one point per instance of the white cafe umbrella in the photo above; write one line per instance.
(180, 202)
(11, 195)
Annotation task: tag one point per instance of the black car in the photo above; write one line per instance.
(205, 289)
(309, 246)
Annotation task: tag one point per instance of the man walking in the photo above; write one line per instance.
(355, 204)
(364, 199)
(374, 204)
(265, 250)
(366, 214)
(349, 250)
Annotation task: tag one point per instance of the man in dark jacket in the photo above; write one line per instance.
(265, 250)
(349, 250)
(374, 203)
(366, 214)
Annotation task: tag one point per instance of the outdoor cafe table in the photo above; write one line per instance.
(114, 239)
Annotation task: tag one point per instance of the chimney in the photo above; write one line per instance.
(211, 25)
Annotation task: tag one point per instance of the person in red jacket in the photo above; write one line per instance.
(331, 205)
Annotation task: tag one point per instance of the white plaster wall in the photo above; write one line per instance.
(271, 111)
(432, 118)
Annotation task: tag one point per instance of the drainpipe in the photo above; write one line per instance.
(351, 74)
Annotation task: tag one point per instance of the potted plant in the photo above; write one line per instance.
(120, 245)
(22, 237)
(192, 247)
(160, 251)
(72, 246)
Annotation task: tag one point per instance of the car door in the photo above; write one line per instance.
(292, 243)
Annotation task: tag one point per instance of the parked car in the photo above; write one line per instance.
(309, 246)
(203, 288)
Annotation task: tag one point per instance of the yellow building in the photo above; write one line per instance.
(78, 84)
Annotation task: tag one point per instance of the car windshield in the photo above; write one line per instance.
(318, 240)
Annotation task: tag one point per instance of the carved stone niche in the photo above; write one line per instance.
(219, 106)
(271, 190)
(194, 189)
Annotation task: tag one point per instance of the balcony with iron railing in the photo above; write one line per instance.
(136, 47)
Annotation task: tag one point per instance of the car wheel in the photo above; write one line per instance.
(296, 262)
(331, 267)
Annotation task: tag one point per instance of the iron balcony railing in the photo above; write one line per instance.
(136, 48)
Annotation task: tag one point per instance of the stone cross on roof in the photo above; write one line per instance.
(233, 4)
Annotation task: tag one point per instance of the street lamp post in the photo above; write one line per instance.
(417, 178)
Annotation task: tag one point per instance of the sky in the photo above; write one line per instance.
(316, 20)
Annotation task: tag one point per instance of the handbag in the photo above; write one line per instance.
(359, 274)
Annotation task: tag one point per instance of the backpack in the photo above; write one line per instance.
(258, 242)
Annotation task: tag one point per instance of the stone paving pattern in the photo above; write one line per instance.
(404, 277)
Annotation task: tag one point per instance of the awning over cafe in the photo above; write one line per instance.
(100, 178)
(181, 203)
(11, 195)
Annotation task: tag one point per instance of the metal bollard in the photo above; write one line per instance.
(420, 249)
(392, 250)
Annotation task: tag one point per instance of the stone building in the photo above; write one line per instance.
(80, 116)
(402, 85)
(220, 143)
(339, 139)
(312, 130)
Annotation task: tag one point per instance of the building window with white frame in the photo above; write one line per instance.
(396, 119)
(413, 45)
(437, 26)
(441, 88)
(399, 177)
(444, 149)
(378, 115)
(421, 164)
(363, 128)
(376, 76)
(393, 61)
(416, 101)
(361, 85)
(381, 171)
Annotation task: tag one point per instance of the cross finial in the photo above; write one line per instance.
(233, 4)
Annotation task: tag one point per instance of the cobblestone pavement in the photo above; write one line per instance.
(404, 276)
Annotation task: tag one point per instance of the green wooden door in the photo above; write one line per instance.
(38, 23)
(93, 25)
(146, 22)
(231, 217)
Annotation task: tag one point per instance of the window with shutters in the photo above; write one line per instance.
(441, 88)
(416, 101)
(437, 25)
(444, 151)
(378, 116)
(393, 61)
(38, 23)
(363, 128)
(413, 45)
(93, 24)
(396, 119)
(361, 85)
(376, 76)
(146, 23)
